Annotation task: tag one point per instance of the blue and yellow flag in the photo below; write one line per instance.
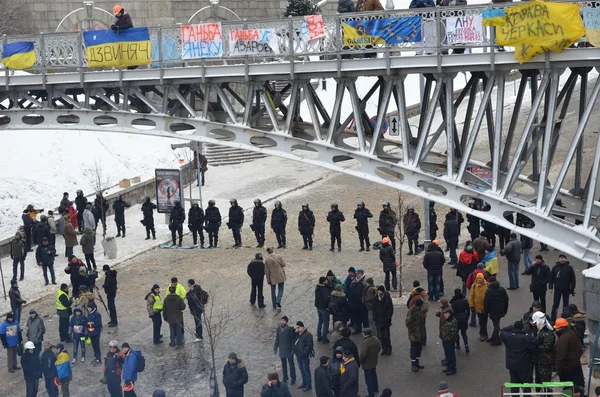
(19, 55)
(539, 26)
(382, 31)
(494, 17)
(106, 48)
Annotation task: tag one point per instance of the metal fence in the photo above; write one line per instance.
(57, 52)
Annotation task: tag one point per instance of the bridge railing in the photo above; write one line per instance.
(58, 52)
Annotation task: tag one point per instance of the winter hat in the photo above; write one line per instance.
(273, 376)
(492, 279)
(513, 235)
(351, 269)
(10, 315)
(13, 282)
(339, 288)
(330, 273)
(50, 212)
(155, 286)
(518, 325)
(300, 324)
(562, 256)
(339, 349)
(323, 360)
(60, 347)
(77, 309)
(125, 345)
(322, 279)
(419, 290)
(480, 265)
(233, 355)
(447, 310)
(381, 288)
(348, 353)
(285, 318)
(44, 239)
(82, 269)
(64, 286)
(159, 393)
(387, 392)
(105, 268)
(258, 256)
(479, 276)
(361, 271)
(416, 284)
(536, 304)
(572, 308)
(443, 387)
(419, 303)
(370, 280)
(367, 331)
(32, 311)
(457, 292)
(92, 305)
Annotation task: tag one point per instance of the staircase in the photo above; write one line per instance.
(222, 155)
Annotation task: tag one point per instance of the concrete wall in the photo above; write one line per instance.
(47, 15)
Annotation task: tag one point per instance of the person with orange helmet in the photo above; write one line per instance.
(122, 19)
(567, 355)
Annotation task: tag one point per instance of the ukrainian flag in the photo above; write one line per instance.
(108, 48)
(495, 17)
(19, 55)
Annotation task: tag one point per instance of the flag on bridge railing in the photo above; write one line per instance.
(494, 17)
(19, 55)
(539, 26)
(105, 48)
(363, 32)
(591, 20)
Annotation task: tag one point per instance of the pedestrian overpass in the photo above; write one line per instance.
(509, 156)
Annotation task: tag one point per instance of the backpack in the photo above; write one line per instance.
(203, 297)
(141, 364)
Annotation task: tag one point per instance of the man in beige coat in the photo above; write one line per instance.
(275, 273)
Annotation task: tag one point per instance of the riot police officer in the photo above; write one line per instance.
(335, 217)
(259, 219)
(236, 221)
(176, 221)
(362, 215)
(278, 223)
(387, 223)
(196, 222)
(212, 217)
(306, 226)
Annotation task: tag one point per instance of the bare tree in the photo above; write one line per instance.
(15, 18)
(400, 237)
(99, 181)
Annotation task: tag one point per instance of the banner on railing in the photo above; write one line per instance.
(382, 31)
(253, 42)
(106, 48)
(204, 40)
(538, 26)
(591, 20)
(464, 29)
(19, 55)
(313, 27)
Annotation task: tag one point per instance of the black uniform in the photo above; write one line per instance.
(212, 219)
(148, 210)
(119, 207)
(306, 226)
(474, 227)
(451, 233)
(387, 225)
(278, 224)
(27, 226)
(196, 223)
(335, 217)
(362, 215)
(176, 222)
(80, 203)
(412, 227)
(433, 227)
(259, 220)
(99, 210)
(504, 233)
(236, 220)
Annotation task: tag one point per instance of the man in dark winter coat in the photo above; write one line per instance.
(362, 215)
(383, 310)
(335, 217)
(173, 308)
(213, 223)
(196, 222)
(41, 230)
(568, 355)
(512, 251)
(80, 203)
(387, 256)
(195, 303)
(457, 215)
(306, 226)
(345, 6)
(349, 378)
(64, 202)
(32, 369)
(48, 360)
(462, 312)
(285, 336)
(520, 347)
(387, 223)
(110, 288)
(100, 209)
(236, 221)
(256, 271)
(339, 308)
(322, 293)
(235, 376)
(451, 234)
(278, 223)
(259, 220)
(504, 233)
(433, 227)
(148, 208)
(18, 252)
(16, 301)
(369, 353)
(433, 261)
(176, 221)
(323, 384)
(274, 388)
(562, 281)
(495, 306)
(27, 227)
(44, 256)
(474, 226)
(303, 349)
(347, 344)
(356, 298)
(540, 277)
(412, 227)
(119, 207)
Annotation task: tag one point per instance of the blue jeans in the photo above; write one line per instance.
(371, 380)
(513, 274)
(433, 285)
(17, 314)
(276, 299)
(322, 324)
(176, 334)
(76, 343)
(450, 355)
(527, 261)
(304, 367)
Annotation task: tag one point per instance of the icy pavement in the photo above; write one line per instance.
(264, 178)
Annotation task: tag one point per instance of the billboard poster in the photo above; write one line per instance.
(168, 189)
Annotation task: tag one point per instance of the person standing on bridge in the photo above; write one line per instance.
(335, 217)
(212, 217)
(122, 19)
(278, 223)
(387, 223)
(259, 220)
(362, 215)
(236, 221)
(306, 226)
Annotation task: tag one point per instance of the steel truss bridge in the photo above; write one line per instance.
(242, 102)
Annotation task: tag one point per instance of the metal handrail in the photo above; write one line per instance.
(60, 52)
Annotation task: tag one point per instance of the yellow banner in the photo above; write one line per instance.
(124, 53)
(539, 26)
